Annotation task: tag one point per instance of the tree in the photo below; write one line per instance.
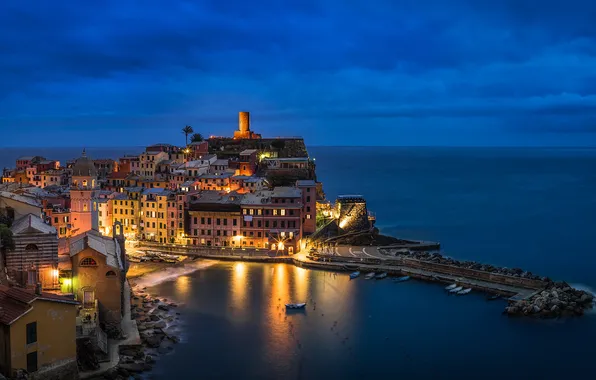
(6, 244)
(197, 137)
(187, 131)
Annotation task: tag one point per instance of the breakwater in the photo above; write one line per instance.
(522, 287)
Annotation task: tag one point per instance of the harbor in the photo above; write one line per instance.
(524, 291)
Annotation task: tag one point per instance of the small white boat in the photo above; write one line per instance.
(381, 276)
(295, 305)
(369, 275)
(452, 286)
(354, 275)
(464, 292)
(401, 279)
(455, 290)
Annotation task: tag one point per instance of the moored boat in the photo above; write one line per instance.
(401, 279)
(369, 275)
(295, 305)
(452, 286)
(354, 275)
(381, 276)
(457, 289)
(464, 292)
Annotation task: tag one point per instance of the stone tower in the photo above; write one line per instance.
(82, 190)
(244, 131)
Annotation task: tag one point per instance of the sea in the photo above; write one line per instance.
(533, 208)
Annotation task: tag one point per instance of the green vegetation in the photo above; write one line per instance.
(187, 131)
(197, 137)
(278, 144)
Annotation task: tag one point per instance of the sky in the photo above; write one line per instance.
(338, 72)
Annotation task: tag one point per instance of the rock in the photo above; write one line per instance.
(149, 359)
(132, 367)
(163, 307)
(177, 313)
(554, 309)
(153, 341)
(154, 317)
(141, 327)
(536, 309)
(172, 304)
(129, 352)
(160, 325)
(174, 339)
(555, 294)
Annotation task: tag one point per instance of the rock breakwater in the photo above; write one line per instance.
(557, 299)
(155, 317)
(437, 258)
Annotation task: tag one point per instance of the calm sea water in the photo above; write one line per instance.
(529, 208)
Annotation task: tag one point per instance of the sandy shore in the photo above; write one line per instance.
(141, 269)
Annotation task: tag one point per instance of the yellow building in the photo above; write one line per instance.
(38, 334)
(154, 208)
(126, 209)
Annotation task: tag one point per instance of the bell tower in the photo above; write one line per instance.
(82, 191)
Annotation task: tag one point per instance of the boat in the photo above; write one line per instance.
(401, 279)
(295, 305)
(455, 290)
(464, 292)
(452, 286)
(381, 276)
(369, 275)
(354, 275)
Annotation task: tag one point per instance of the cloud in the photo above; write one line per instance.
(128, 64)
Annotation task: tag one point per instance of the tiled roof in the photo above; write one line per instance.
(16, 302)
(30, 221)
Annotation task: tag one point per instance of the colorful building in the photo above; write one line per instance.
(38, 334)
(83, 185)
(215, 219)
(272, 219)
(35, 257)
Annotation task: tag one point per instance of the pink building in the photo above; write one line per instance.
(84, 183)
(309, 205)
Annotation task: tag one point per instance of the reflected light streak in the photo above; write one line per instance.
(239, 285)
(182, 286)
(301, 284)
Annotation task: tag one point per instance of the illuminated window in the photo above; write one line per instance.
(282, 212)
(308, 216)
(251, 211)
(274, 212)
(88, 262)
(84, 183)
(282, 234)
(85, 207)
(259, 211)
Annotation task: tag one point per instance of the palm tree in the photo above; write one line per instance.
(197, 137)
(187, 131)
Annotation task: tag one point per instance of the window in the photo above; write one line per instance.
(31, 247)
(266, 224)
(234, 222)
(308, 189)
(88, 262)
(225, 222)
(274, 212)
(259, 211)
(244, 211)
(217, 221)
(282, 212)
(308, 216)
(195, 232)
(258, 223)
(251, 211)
(274, 223)
(208, 220)
(111, 273)
(308, 198)
(84, 206)
(56, 219)
(195, 220)
(291, 212)
(307, 208)
(31, 332)
(259, 234)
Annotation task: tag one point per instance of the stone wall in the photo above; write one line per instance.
(66, 370)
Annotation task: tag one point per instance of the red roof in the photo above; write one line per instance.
(118, 175)
(16, 302)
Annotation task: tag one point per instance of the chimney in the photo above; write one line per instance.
(38, 289)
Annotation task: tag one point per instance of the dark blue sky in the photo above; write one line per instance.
(338, 72)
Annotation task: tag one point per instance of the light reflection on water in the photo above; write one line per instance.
(235, 314)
